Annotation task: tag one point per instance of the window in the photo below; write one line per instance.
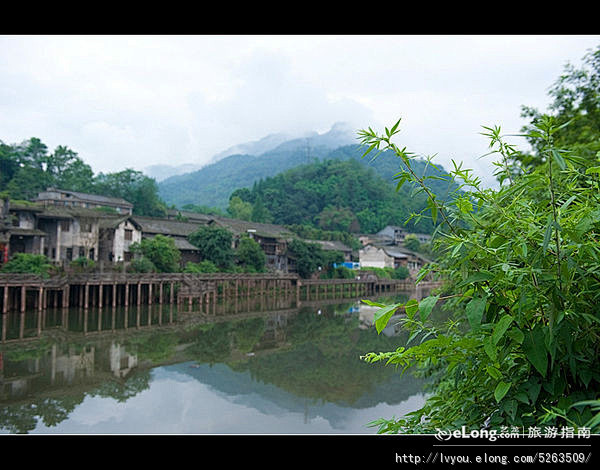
(85, 227)
(128, 234)
(65, 225)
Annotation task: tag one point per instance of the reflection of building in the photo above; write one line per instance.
(63, 365)
(121, 362)
(72, 364)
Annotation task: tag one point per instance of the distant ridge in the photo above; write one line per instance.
(340, 134)
(212, 184)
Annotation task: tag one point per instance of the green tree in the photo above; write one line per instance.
(214, 244)
(239, 209)
(160, 251)
(135, 187)
(311, 258)
(520, 266)
(412, 242)
(201, 267)
(576, 101)
(28, 263)
(250, 255)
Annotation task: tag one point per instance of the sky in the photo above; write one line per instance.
(131, 101)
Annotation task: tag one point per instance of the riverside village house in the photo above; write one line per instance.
(66, 225)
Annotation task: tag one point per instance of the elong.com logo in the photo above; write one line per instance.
(464, 433)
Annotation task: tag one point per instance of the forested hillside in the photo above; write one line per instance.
(335, 195)
(213, 184)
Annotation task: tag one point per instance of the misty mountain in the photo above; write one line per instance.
(212, 184)
(339, 134)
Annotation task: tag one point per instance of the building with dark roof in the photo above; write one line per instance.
(61, 197)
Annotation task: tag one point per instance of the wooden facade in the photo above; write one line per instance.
(21, 292)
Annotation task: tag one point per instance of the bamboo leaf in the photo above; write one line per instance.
(382, 317)
(535, 350)
(558, 159)
(474, 311)
(426, 306)
(501, 328)
(501, 390)
(548, 232)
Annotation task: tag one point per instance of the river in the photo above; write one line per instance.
(265, 367)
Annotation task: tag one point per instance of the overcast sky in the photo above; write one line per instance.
(134, 101)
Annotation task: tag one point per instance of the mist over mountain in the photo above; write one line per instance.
(340, 134)
(212, 184)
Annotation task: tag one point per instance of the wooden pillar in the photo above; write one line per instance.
(126, 294)
(86, 296)
(171, 292)
(23, 298)
(5, 301)
(100, 294)
(150, 293)
(40, 299)
(139, 293)
(114, 295)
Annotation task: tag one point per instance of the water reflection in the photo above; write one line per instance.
(265, 365)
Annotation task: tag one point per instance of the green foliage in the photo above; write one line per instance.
(27, 169)
(160, 250)
(83, 264)
(401, 272)
(412, 243)
(311, 258)
(239, 209)
(250, 255)
(214, 244)
(309, 232)
(576, 100)
(201, 267)
(521, 266)
(336, 195)
(135, 187)
(28, 263)
(142, 265)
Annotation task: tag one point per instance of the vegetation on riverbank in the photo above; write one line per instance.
(522, 271)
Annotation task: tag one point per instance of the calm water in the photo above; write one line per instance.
(259, 367)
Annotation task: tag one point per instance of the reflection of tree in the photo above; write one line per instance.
(247, 333)
(20, 419)
(124, 390)
(156, 346)
(211, 344)
(324, 361)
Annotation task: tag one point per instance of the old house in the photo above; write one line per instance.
(64, 198)
(397, 235)
(175, 229)
(273, 239)
(334, 245)
(71, 233)
(21, 226)
(391, 257)
(116, 237)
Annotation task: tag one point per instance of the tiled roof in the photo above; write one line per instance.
(97, 198)
(153, 225)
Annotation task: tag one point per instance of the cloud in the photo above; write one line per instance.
(134, 101)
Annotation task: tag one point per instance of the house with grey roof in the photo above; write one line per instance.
(391, 257)
(273, 239)
(65, 198)
(117, 234)
(178, 230)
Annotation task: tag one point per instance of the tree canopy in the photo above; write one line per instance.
(28, 168)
